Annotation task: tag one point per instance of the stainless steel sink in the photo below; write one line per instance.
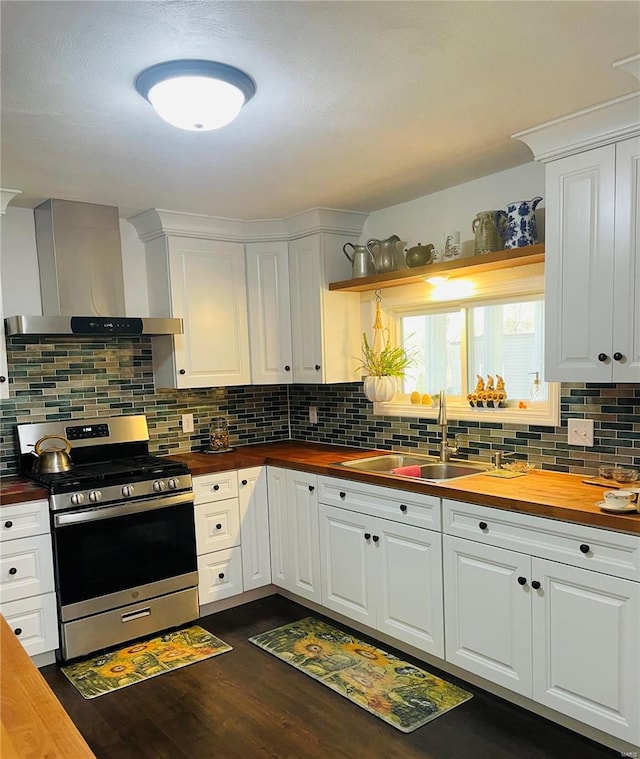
(431, 469)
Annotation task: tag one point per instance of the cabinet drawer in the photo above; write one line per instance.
(26, 568)
(613, 553)
(401, 506)
(217, 525)
(34, 621)
(22, 520)
(215, 487)
(219, 575)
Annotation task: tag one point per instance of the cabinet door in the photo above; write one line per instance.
(305, 272)
(586, 662)
(219, 575)
(269, 313)
(4, 376)
(346, 557)
(281, 574)
(208, 293)
(488, 612)
(410, 604)
(254, 527)
(579, 266)
(626, 304)
(34, 622)
(303, 536)
(26, 568)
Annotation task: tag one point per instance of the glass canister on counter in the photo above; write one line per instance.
(219, 435)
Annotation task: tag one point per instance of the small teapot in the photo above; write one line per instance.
(420, 255)
(362, 263)
(387, 254)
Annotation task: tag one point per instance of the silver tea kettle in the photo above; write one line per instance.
(53, 459)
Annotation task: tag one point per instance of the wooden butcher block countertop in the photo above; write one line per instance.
(543, 493)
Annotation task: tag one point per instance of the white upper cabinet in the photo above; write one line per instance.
(269, 313)
(6, 196)
(325, 326)
(592, 249)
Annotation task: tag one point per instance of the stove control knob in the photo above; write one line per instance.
(127, 490)
(77, 498)
(95, 496)
(172, 483)
(158, 486)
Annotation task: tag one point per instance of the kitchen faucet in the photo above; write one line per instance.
(446, 448)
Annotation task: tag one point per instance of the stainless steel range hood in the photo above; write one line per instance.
(81, 277)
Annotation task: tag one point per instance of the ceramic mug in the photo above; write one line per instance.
(619, 499)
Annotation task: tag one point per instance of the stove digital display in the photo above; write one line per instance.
(87, 431)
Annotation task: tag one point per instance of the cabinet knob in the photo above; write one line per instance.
(535, 585)
(218, 526)
(343, 494)
(287, 368)
(584, 548)
(3, 379)
(522, 580)
(8, 524)
(244, 483)
(602, 357)
(182, 371)
(482, 525)
(367, 536)
(18, 631)
(13, 571)
(403, 507)
(375, 538)
(311, 488)
(317, 367)
(617, 356)
(221, 575)
(216, 487)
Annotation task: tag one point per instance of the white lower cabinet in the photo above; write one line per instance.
(562, 635)
(254, 527)
(27, 597)
(384, 574)
(294, 532)
(219, 575)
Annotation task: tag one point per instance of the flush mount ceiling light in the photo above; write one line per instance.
(196, 95)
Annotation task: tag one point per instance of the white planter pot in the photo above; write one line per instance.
(380, 388)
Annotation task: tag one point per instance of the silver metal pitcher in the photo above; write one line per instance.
(387, 254)
(362, 264)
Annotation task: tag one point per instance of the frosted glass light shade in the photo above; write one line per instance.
(195, 95)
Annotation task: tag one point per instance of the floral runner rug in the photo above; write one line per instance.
(405, 696)
(106, 672)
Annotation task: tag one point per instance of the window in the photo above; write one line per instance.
(458, 344)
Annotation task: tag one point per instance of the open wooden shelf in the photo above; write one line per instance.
(501, 259)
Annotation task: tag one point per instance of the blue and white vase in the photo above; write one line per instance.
(521, 223)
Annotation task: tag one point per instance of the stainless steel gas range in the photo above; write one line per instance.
(122, 525)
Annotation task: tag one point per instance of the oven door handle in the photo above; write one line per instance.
(120, 510)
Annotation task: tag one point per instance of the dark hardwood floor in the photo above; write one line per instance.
(247, 704)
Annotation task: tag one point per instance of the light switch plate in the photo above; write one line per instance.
(580, 432)
(187, 422)
(313, 414)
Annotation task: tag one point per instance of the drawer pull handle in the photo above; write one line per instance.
(13, 571)
(343, 494)
(376, 538)
(136, 615)
(183, 371)
(367, 536)
(8, 524)
(221, 575)
(482, 525)
(3, 378)
(244, 482)
(522, 580)
(403, 507)
(535, 585)
(216, 487)
(18, 631)
(584, 548)
(317, 367)
(311, 488)
(218, 526)
(287, 368)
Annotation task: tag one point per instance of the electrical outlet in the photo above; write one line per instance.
(187, 422)
(313, 414)
(580, 432)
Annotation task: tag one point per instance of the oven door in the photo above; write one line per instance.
(114, 555)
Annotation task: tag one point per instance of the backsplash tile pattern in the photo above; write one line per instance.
(345, 417)
(71, 378)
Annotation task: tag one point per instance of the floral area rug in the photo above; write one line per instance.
(141, 660)
(394, 690)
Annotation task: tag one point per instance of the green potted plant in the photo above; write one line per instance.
(382, 363)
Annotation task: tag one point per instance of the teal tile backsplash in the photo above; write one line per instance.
(71, 378)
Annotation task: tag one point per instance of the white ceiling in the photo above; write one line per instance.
(359, 105)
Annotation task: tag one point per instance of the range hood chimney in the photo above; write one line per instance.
(81, 276)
